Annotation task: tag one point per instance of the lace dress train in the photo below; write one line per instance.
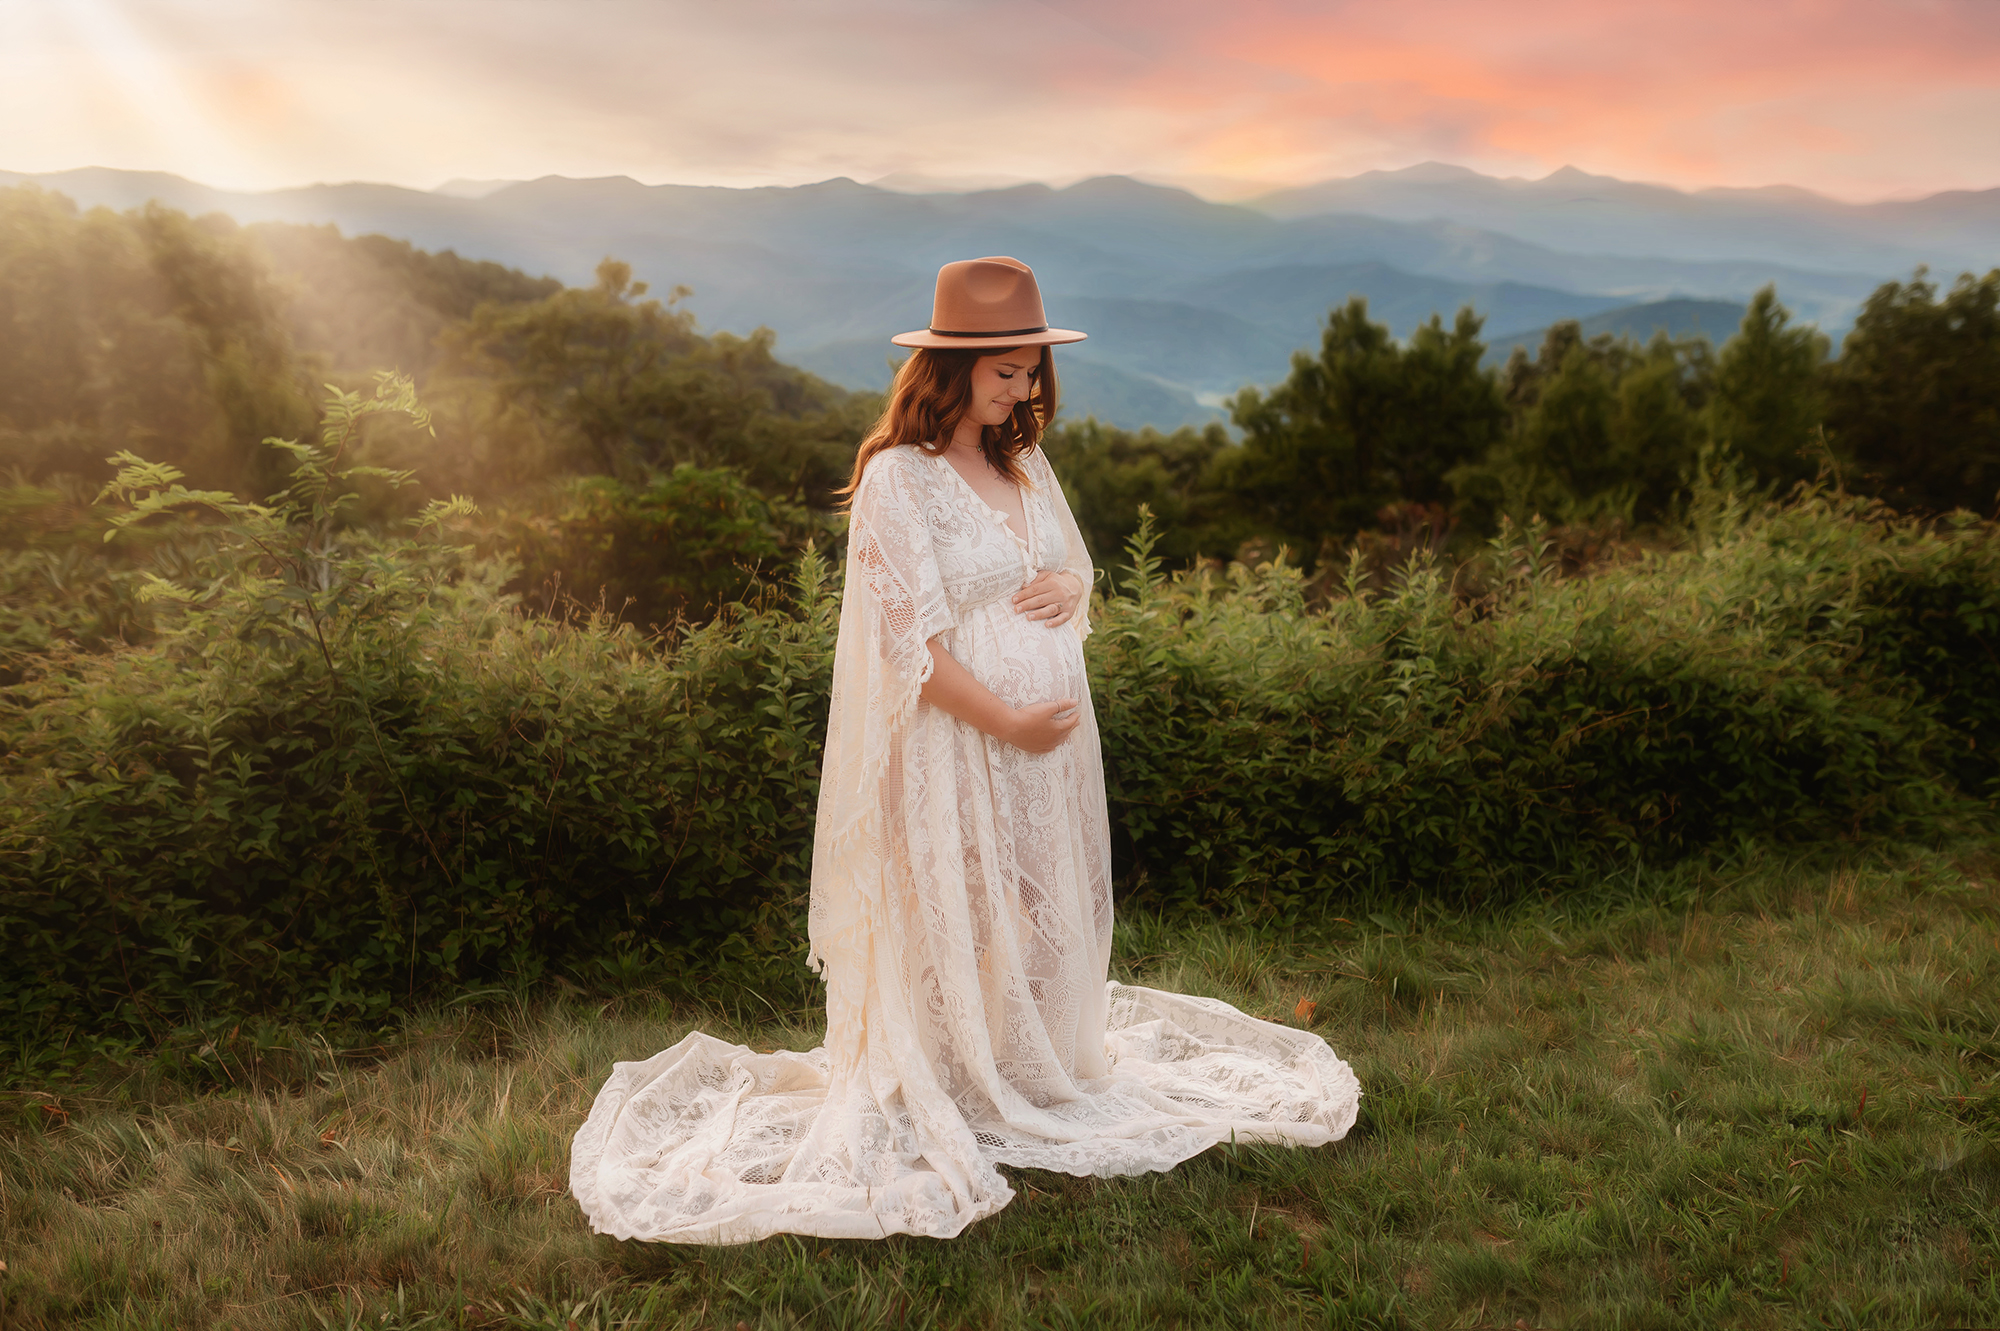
(961, 916)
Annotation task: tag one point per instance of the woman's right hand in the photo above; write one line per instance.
(1044, 725)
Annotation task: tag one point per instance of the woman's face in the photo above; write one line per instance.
(1001, 380)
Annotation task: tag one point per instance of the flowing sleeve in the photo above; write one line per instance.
(1076, 559)
(893, 603)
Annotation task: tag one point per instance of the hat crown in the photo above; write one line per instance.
(986, 305)
(985, 297)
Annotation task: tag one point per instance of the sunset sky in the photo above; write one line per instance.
(1856, 98)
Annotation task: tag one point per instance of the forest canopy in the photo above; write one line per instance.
(621, 455)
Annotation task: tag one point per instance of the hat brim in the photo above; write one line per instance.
(924, 337)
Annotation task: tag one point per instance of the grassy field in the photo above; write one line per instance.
(1766, 1097)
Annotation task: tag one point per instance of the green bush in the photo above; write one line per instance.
(351, 774)
(679, 547)
(348, 774)
(1824, 670)
(58, 591)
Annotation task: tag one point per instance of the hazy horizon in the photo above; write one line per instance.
(913, 183)
(1857, 100)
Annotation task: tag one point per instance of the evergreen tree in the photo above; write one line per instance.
(1915, 395)
(1770, 397)
(1602, 431)
(1365, 424)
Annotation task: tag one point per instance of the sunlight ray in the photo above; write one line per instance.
(136, 87)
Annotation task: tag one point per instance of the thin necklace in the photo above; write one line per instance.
(985, 462)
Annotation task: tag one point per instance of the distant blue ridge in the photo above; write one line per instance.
(1185, 299)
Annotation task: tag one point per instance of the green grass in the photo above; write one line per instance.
(1772, 1102)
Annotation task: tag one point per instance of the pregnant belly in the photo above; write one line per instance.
(1023, 661)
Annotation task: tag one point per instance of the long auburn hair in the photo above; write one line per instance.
(933, 390)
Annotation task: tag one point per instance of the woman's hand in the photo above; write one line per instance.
(1037, 728)
(1051, 599)
(1044, 725)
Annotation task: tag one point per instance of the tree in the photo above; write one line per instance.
(591, 364)
(144, 330)
(1365, 424)
(1603, 431)
(1770, 396)
(226, 299)
(362, 303)
(1915, 395)
(622, 385)
(1107, 473)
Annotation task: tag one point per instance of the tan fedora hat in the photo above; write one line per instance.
(990, 302)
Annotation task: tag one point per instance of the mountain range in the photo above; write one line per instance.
(1573, 211)
(1186, 300)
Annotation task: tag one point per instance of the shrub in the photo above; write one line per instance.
(348, 775)
(681, 546)
(1824, 669)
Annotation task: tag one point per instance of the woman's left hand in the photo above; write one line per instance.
(1051, 598)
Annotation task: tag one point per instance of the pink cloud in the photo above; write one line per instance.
(1857, 97)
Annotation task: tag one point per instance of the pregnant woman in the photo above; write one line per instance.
(961, 881)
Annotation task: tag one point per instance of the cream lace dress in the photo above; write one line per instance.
(961, 916)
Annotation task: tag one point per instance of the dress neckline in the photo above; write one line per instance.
(1024, 542)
